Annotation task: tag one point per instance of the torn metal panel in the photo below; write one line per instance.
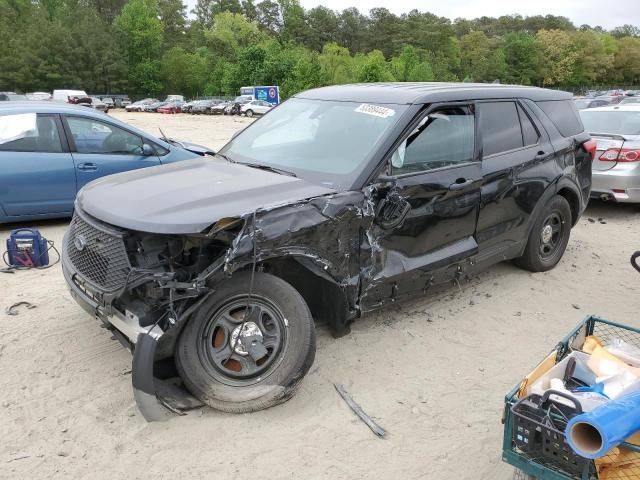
(322, 234)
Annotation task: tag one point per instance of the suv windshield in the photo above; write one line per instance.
(618, 122)
(326, 142)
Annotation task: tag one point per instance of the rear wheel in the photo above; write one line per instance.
(549, 237)
(244, 353)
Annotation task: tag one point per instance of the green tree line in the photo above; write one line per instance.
(153, 47)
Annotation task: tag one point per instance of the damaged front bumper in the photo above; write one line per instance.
(127, 325)
(141, 341)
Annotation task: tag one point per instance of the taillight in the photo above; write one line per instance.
(620, 155)
(590, 146)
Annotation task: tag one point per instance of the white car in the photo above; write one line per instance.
(38, 96)
(139, 105)
(255, 107)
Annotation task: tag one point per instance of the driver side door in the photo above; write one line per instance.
(101, 148)
(427, 209)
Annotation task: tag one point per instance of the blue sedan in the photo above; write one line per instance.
(49, 151)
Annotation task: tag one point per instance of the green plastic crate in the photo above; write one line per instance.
(537, 466)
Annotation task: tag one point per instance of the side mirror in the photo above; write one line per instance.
(392, 211)
(148, 150)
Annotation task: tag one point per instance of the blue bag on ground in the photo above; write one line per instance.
(593, 434)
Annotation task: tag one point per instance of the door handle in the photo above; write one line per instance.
(87, 167)
(540, 155)
(460, 184)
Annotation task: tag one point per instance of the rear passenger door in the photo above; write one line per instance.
(516, 157)
(101, 148)
(37, 176)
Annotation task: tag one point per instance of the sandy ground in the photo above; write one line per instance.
(432, 372)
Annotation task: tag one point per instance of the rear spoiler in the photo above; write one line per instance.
(613, 136)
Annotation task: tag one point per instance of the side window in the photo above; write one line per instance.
(530, 134)
(93, 136)
(43, 138)
(564, 115)
(500, 127)
(443, 138)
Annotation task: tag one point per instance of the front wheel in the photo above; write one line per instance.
(242, 353)
(549, 237)
(249, 113)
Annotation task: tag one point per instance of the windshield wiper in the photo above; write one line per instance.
(227, 158)
(269, 168)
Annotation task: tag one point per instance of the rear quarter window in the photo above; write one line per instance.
(564, 115)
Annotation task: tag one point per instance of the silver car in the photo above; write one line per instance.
(98, 104)
(616, 167)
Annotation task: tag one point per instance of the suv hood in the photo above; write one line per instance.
(189, 196)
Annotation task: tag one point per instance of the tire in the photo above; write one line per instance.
(249, 113)
(543, 252)
(225, 384)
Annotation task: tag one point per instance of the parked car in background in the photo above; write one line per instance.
(139, 105)
(586, 102)
(54, 149)
(174, 98)
(170, 107)
(98, 104)
(232, 108)
(616, 168)
(255, 107)
(12, 96)
(341, 200)
(153, 106)
(109, 102)
(615, 93)
(42, 96)
(612, 99)
(123, 102)
(201, 107)
(186, 107)
(218, 108)
(68, 96)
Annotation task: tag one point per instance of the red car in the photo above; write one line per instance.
(173, 107)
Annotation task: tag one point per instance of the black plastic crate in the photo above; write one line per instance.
(538, 426)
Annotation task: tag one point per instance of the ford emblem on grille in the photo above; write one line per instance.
(80, 242)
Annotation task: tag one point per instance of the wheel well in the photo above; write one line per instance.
(574, 202)
(326, 300)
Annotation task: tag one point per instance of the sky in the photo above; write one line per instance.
(593, 12)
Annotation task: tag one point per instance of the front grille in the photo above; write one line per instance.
(98, 255)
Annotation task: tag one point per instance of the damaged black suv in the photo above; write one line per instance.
(335, 203)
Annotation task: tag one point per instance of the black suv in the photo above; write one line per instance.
(337, 202)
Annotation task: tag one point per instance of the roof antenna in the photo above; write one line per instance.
(164, 137)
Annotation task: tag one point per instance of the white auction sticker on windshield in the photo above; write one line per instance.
(376, 110)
